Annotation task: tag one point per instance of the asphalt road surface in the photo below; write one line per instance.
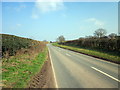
(75, 70)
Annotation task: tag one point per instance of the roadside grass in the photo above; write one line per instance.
(17, 71)
(96, 53)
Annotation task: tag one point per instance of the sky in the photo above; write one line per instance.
(48, 20)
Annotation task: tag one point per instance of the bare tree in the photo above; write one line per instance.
(100, 32)
(61, 39)
(112, 35)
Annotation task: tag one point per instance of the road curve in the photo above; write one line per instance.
(75, 70)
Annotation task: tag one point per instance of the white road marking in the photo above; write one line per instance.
(53, 70)
(91, 57)
(68, 54)
(105, 74)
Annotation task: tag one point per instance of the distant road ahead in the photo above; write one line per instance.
(75, 70)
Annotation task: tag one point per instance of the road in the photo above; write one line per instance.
(75, 70)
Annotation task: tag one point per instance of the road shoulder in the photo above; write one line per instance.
(43, 79)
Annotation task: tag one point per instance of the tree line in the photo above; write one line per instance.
(98, 41)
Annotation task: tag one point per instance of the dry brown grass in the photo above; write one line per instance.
(22, 64)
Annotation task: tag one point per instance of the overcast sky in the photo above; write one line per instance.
(48, 20)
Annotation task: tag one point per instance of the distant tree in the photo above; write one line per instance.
(100, 32)
(112, 35)
(44, 40)
(50, 41)
(89, 36)
(60, 39)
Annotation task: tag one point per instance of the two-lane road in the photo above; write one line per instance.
(75, 70)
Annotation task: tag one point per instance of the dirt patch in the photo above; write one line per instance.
(43, 79)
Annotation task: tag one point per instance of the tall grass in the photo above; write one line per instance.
(17, 71)
(22, 58)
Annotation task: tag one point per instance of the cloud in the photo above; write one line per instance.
(18, 25)
(42, 7)
(49, 5)
(96, 22)
(35, 16)
(15, 26)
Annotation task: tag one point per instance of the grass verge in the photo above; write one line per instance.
(97, 54)
(17, 71)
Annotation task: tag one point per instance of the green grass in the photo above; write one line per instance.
(115, 58)
(17, 72)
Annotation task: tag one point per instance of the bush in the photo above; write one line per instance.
(103, 43)
(11, 44)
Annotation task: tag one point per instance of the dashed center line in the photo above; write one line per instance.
(105, 74)
(68, 54)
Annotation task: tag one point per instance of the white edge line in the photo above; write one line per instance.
(105, 74)
(99, 59)
(53, 69)
(93, 57)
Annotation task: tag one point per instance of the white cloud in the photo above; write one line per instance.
(96, 22)
(18, 25)
(35, 16)
(15, 26)
(45, 6)
(49, 5)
